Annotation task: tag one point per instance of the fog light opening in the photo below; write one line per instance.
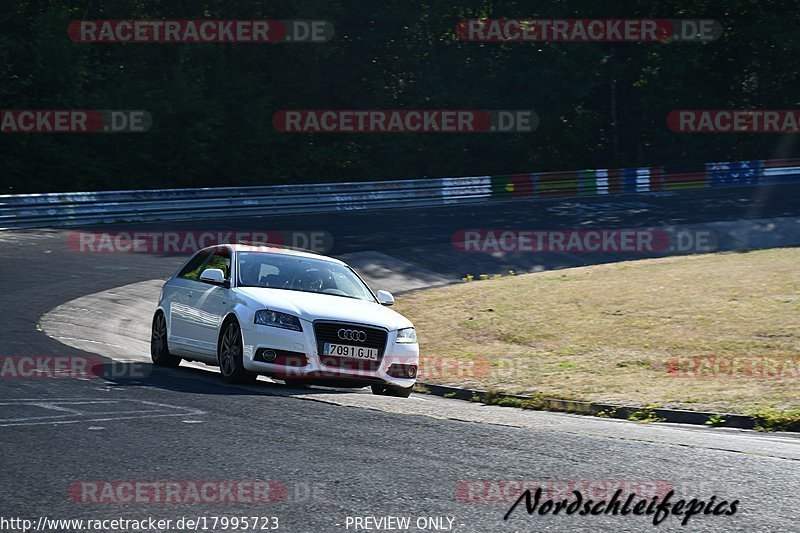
(403, 371)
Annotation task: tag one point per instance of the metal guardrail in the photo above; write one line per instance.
(85, 208)
(175, 204)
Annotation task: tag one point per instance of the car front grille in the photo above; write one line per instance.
(329, 332)
(343, 363)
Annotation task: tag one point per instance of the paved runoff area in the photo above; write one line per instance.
(129, 442)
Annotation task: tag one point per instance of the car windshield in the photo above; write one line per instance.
(295, 273)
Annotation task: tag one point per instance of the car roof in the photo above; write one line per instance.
(278, 250)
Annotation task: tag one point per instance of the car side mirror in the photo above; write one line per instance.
(385, 298)
(213, 275)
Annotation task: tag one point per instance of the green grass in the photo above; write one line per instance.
(773, 420)
(645, 415)
(715, 421)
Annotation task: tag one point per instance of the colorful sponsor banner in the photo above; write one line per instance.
(685, 177)
(587, 183)
(733, 173)
(514, 186)
(592, 182)
(656, 178)
(628, 178)
(558, 184)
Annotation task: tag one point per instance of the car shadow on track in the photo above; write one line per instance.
(188, 379)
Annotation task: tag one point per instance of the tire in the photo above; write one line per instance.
(159, 351)
(296, 383)
(391, 390)
(229, 355)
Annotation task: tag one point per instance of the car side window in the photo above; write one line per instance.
(194, 267)
(221, 260)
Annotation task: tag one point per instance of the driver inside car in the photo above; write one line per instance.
(250, 273)
(314, 280)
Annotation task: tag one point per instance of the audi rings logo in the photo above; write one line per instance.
(352, 335)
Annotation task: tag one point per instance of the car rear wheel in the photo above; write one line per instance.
(229, 355)
(159, 351)
(391, 390)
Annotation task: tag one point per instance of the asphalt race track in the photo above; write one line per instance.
(338, 458)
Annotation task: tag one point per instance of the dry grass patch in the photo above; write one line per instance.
(606, 332)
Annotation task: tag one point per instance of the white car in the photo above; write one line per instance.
(299, 317)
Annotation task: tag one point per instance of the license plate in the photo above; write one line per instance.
(352, 352)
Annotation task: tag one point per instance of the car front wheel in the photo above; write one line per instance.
(159, 351)
(391, 390)
(229, 354)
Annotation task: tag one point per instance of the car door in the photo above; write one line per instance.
(208, 303)
(179, 311)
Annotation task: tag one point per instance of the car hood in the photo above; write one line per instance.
(314, 306)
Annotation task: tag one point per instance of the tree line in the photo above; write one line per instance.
(599, 104)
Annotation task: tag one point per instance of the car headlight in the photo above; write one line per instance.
(278, 320)
(407, 336)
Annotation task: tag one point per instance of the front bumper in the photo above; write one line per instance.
(298, 358)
